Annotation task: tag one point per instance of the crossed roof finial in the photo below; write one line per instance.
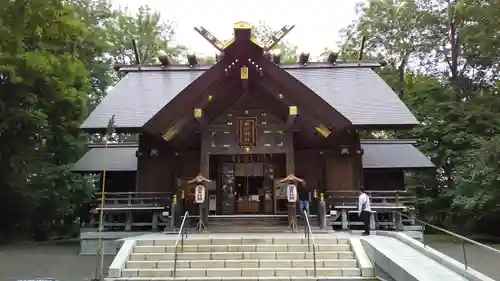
(268, 44)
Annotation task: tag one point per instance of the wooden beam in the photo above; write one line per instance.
(273, 90)
(304, 96)
(276, 37)
(210, 38)
(234, 150)
(324, 131)
(203, 105)
(223, 102)
(173, 130)
(185, 99)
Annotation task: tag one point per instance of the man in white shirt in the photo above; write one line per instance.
(364, 210)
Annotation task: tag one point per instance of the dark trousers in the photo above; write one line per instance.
(365, 218)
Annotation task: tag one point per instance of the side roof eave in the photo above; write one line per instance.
(359, 94)
(114, 158)
(393, 154)
(137, 97)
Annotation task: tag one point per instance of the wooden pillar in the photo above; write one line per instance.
(205, 171)
(290, 153)
(290, 170)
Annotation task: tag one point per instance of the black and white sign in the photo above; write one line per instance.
(199, 194)
(291, 192)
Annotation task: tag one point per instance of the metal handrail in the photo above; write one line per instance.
(463, 239)
(182, 232)
(310, 238)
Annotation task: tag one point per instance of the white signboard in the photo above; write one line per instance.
(291, 192)
(199, 194)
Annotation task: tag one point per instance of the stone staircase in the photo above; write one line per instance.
(236, 258)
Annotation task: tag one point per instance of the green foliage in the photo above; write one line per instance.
(288, 51)
(443, 55)
(55, 66)
(148, 29)
(44, 93)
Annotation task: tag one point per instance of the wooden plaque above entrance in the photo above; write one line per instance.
(246, 131)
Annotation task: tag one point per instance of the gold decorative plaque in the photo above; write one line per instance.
(246, 131)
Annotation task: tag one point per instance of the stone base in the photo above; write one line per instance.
(89, 241)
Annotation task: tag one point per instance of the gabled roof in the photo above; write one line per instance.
(354, 90)
(359, 94)
(378, 154)
(139, 96)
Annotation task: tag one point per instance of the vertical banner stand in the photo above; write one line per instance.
(291, 192)
(199, 198)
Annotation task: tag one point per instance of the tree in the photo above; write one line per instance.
(44, 86)
(95, 13)
(148, 29)
(393, 31)
(288, 51)
(449, 53)
(206, 60)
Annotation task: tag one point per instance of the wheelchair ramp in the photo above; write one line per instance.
(403, 262)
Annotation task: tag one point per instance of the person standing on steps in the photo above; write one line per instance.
(364, 210)
(304, 198)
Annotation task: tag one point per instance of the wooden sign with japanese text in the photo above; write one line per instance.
(291, 192)
(246, 131)
(199, 194)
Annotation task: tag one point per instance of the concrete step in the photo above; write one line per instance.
(261, 229)
(243, 248)
(242, 255)
(272, 278)
(239, 241)
(242, 272)
(299, 263)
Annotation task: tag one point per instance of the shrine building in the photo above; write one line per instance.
(247, 122)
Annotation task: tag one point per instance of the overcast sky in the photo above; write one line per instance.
(317, 22)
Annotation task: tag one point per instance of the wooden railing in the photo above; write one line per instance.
(385, 206)
(128, 200)
(377, 197)
(128, 210)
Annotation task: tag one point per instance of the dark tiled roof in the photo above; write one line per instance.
(377, 154)
(119, 158)
(393, 154)
(138, 97)
(357, 93)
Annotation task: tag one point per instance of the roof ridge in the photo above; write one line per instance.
(112, 145)
(388, 141)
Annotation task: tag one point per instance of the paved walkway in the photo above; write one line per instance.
(413, 261)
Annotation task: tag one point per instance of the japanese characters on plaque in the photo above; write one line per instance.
(246, 132)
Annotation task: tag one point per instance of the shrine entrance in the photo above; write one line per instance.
(247, 184)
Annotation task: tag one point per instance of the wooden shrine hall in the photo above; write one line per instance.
(247, 122)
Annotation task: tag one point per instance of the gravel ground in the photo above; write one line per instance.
(60, 260)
